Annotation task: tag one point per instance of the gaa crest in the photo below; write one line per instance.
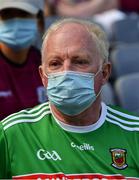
(118, 158)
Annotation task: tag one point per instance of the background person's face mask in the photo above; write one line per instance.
(18, 33)
(71, 92)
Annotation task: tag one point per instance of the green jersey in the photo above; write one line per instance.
(34, 144)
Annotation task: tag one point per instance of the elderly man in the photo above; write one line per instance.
(75, 135)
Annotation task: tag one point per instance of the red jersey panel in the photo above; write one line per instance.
(20, 85)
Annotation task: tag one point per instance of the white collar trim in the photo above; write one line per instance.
(84, 129)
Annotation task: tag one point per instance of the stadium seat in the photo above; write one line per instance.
(125, 60)
(126, 30)
(127, 92)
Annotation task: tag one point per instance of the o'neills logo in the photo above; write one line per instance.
(43, 155)
(82, 147)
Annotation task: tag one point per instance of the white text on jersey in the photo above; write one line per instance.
(83, 147)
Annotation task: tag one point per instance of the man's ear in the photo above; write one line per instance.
(106, 71)
(43, 77)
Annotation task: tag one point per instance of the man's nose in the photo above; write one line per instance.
(68, 66)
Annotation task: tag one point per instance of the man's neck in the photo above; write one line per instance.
(86, 118)
(17, 57)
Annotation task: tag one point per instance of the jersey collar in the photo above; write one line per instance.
(84, 129)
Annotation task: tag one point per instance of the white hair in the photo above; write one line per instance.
(95, 31)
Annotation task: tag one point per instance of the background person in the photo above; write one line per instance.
(20, 84)
(90, 8)
(75, 135)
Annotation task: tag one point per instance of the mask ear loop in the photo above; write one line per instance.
(45, 75)
(99, 93)
(100, 69)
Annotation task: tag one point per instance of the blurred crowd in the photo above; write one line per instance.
(87, 8)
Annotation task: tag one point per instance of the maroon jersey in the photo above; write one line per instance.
(20, 85)
(129, 5)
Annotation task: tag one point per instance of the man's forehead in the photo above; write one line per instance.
(71, 33)
(75, 29)
(67, 39)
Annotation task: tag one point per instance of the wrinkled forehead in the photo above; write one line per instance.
(72, 33)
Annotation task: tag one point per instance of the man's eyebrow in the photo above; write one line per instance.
(53, 56)
(82, 53)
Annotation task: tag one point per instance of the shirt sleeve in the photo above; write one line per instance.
(5, 168)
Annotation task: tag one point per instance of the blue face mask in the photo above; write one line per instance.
(71, 92)
(18, 33)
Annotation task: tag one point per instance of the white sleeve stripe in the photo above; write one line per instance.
(123, 114)
(24, 116)
(27, 111)
(122, 121)
(122, 126)
(26, 120)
